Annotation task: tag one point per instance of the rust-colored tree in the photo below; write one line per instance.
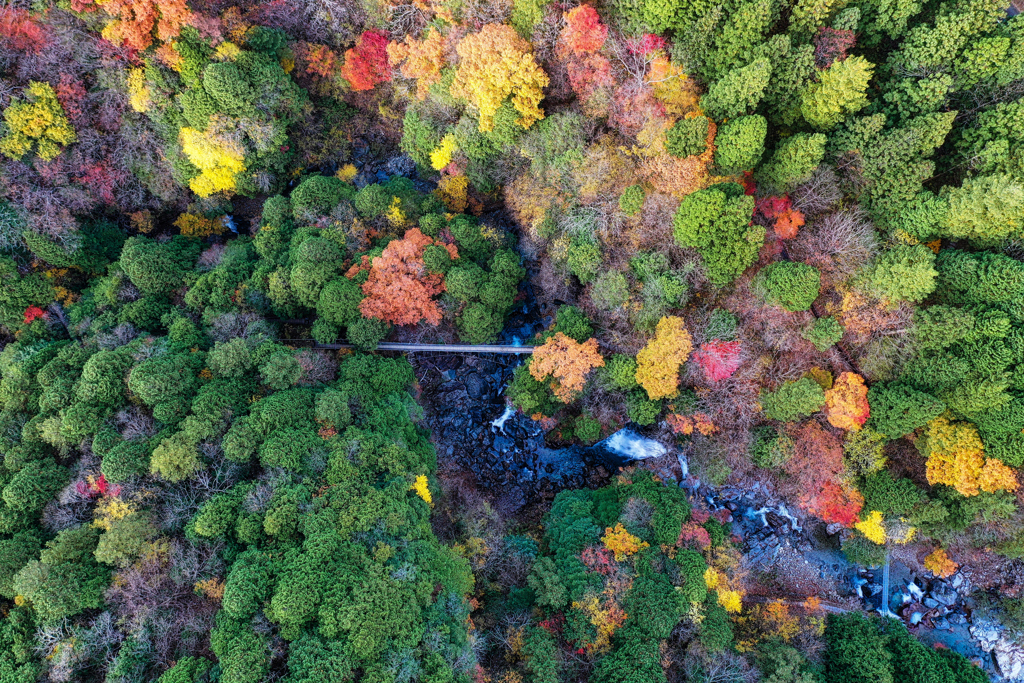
(567, 362)
(817, 476)
(399, 289)
(846, 403)
(366, 64)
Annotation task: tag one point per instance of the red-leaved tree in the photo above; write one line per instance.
(719, 359)
(366, 64)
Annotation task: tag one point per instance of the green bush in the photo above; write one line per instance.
(281, 371)
(792, 162)
(610, 290)
(632, 200)
(372, 201)
(792, 285)
(584, 259)
(738, 92)
(739, 144)
(716, 221)
(903, 273)
(314, 196)
(125, 461)
(366, 333)
(688, 137)
(793, 400)
(231, 359)
(641, 409)
(824, 333)
(619, 372)
(897, 410)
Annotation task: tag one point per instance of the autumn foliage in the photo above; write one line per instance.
(787, 220)
(621, 542)
(658, 362)
(420, 59)
(399, 290)
(136, 20)
(567, 362)
(846, 403)
(956, 457)
(583, 30)
(366, 64)
(496, 64)
(719, 359)
(818, 476)
(940, 564)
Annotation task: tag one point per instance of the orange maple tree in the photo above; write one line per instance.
(940, 564)
(135, 21)
(567, 362)
(399, 289)
(583, 31)
(818, 476)
(420, 59)
(846, 403)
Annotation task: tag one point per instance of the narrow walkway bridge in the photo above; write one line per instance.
(442, 348)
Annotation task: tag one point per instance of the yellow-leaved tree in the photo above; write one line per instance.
(496, 64)
(658, 363)
(219, 160)
(40, 121)
(568, 362)
(956, 457)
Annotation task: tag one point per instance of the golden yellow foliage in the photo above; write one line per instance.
(347, 173)
(496, 64)
(940, 564)
(442, 156)
(192, 225)
(40, 121)
(872, 527)
(658, 363)
(212, 588)
(422, 489)
(568, 362)
(672, 87)
(621, 542)
(606, 618)
(138, 91)
(109, 510)
(452, 190)
(219, 161)
(956, 457)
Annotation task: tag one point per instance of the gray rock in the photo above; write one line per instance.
(931, 603)
(944, 594)
(476, 386)
(1009, 658)
(941, 624)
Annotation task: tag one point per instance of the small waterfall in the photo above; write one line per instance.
(631, 446)
(498, 425)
